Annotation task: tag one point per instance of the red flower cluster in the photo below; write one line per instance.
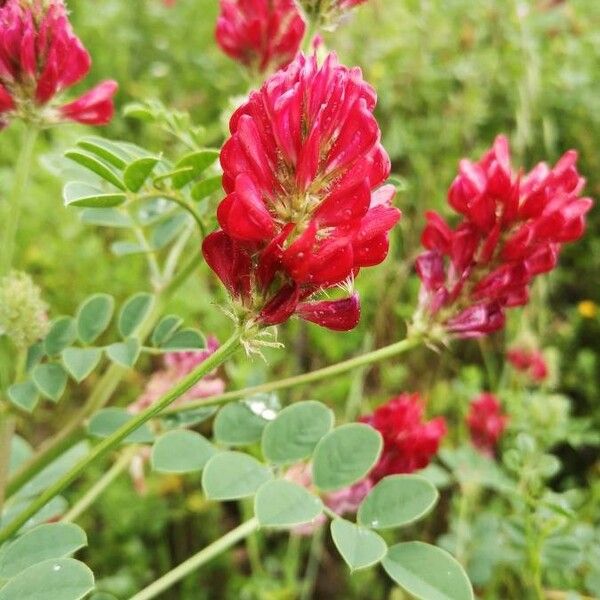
(304, 210)
(264, 35)
(40, 57)
(513, 228)
(409, 442)
(531, 362)
(486, 423)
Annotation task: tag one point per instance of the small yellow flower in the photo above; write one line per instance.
(588, 309)
(171, 484)
(197, 503)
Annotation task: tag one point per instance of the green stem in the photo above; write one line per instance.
(196, 561)
(15, 199)
(182, 202)
(342, 367)
(98, 488)
(7, 428)
(462, 526)
(112, 441)
(312, 569)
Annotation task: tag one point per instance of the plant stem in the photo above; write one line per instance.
(7, 428)
(182, 202)
(196, 561)
(312, 569)
(15, 198)
(462, 526)
(212, 362)
(342, 367)
(98, 488)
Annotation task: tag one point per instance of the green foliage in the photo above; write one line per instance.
(44, 542)
(449, 76)
(294, 433)
(426, 572)
(345, 455)
(397, 501)
(181, 452)
(237, 425)
(94, 316)
(133, 313)
(60, 579)
(284, 504)
(233, 475)
(359, 547)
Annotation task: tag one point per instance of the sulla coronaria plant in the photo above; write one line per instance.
(287, 213)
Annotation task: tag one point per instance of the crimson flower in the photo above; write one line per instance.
(486, 423)
(40, 57)
(264, 35)
(304, 209)
(409, 442)
(528, 361)
(513, 227)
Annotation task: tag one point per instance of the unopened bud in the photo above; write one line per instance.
(23, 313)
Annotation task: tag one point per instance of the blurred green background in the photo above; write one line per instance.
(450, 74)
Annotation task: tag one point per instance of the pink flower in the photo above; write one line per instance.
(176, 366)
(513, 228)
(40, 57)
(304, 211)
(343, 502)
(409, 442)
(264, 35)
(486, 423)
(531, 362)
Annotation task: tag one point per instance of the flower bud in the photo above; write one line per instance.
(23, 313)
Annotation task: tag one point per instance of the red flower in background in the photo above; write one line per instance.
(409, 442)
(486, 423)
(531, 362)
(40, 57)
(175, 366)
(304, 211)
(513, 228)
(264, 35)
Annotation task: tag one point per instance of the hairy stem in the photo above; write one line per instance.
(342, 367)
(100, 486)
(196, 561)
(15, 198)
(212, 362)
(7, 428)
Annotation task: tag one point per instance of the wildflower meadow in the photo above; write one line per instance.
(299, 299)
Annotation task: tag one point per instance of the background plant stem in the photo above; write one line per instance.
(196, 561)
(98, 488)
(15, 198)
